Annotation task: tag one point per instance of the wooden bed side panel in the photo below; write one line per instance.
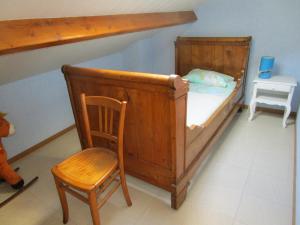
(211, 127)
(224, 55)
(150, 146)
(198, 159)
(78, 85)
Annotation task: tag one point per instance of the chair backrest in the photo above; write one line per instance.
(108, 109)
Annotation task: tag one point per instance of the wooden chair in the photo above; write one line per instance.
(87, 174)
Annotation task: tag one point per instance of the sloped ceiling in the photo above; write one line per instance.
(21, 65)
(25, 9)
(25, 64)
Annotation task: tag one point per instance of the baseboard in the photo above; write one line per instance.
(270, 110)
(295, 178)
(39, 145)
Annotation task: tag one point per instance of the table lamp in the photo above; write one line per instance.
(266, 66)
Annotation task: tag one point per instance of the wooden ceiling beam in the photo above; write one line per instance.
(28, 34)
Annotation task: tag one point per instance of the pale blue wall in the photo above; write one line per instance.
(156, 54)
(138, 57)
(298, 168)
(114, 61)
(39, 106)
(274, 25)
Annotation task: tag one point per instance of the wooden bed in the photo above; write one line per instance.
(156, 148)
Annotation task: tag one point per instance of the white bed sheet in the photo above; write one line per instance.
(201, 106)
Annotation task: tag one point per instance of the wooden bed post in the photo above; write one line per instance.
(178, 195)
(177, 198)
(178, 109)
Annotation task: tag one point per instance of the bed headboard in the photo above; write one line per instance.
(227, 55)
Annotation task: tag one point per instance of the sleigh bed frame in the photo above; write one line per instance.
(155, 127)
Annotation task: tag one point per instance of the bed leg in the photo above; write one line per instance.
(178, 197)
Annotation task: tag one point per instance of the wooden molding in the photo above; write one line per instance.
(39, 145)
(28, 34)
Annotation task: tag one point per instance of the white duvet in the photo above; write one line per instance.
(201, 106)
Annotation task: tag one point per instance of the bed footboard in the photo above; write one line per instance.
(154, 135)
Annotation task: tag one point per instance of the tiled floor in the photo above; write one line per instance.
(246, 181)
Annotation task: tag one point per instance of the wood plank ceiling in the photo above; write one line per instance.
(29, 9)
(28, 34)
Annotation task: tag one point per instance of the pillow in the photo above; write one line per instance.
(208, 77)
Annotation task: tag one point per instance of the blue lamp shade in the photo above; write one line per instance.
(266, 66)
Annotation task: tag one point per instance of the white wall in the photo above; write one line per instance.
(273, 24)
(39, 106)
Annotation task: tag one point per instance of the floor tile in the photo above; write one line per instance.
(218, 198)
(268, 187)
(258, 211)
(222, 174)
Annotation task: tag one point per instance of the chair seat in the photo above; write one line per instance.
(88, 168)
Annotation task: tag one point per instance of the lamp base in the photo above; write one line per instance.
(265, 75)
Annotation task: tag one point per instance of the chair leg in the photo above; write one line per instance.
(124, 188)
(94, 208)
(63, 200)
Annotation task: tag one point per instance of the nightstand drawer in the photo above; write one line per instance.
(273, 87)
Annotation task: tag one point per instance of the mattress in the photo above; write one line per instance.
(202, 102)
(201, 106)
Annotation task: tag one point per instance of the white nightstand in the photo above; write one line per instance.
(276, 84)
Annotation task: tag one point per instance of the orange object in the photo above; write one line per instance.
(6, 172)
